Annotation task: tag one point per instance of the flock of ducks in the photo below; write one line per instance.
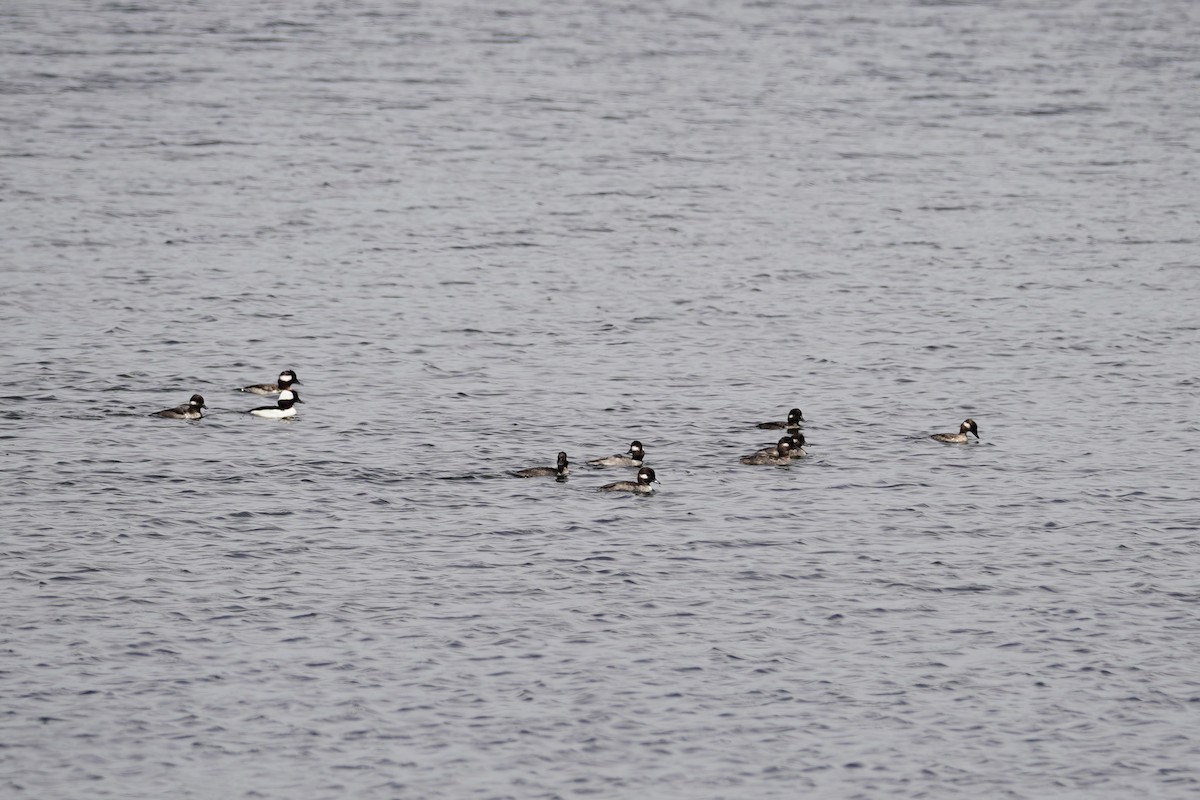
(789, 446)
(632, 457)
(285, 405)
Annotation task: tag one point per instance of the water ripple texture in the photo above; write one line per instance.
(486, 233)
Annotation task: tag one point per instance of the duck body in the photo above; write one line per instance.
(642, 485)
(285, 381)
(632, 458)
(795, 419)
(779, 455)
(559, 472)
(968, 426)
(189, 410)
(284, 407)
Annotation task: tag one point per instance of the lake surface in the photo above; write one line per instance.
(485, 233)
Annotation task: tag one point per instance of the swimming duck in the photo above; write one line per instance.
(633, 458)
(645, 477)
(968, 426)
(778, 455)
(558, 473)
(284, 407)
(284, 381)
(795, 419)
(189, 410)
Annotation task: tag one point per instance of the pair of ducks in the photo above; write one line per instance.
(284, 407)
(788, 447)
(633, 457)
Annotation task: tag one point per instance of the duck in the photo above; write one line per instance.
(189, 410)
(968, 426)
(795, 419)
(632, 458)
(778, 455)
(285, 381)
(558, 473)
(284, 407)
(645, 477)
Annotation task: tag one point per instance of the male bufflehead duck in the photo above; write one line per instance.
(778, 455)
(968, 426)
(284, 407)
(558, 473)
(645, 477)
(795, 419)
(189, 411)
(284, 381)
(634, 458)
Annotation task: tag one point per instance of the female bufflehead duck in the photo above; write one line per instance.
(968, 426)
(189, 411)
(645, 477)
(778, 455)
(795, 419)
(284, 381)
(633, 459)
(284, 407)
(558, 473)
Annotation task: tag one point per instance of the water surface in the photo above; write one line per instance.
(482, 235)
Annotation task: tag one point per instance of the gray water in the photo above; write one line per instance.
(483, 233)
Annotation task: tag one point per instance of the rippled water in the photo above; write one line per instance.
(482, 234)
